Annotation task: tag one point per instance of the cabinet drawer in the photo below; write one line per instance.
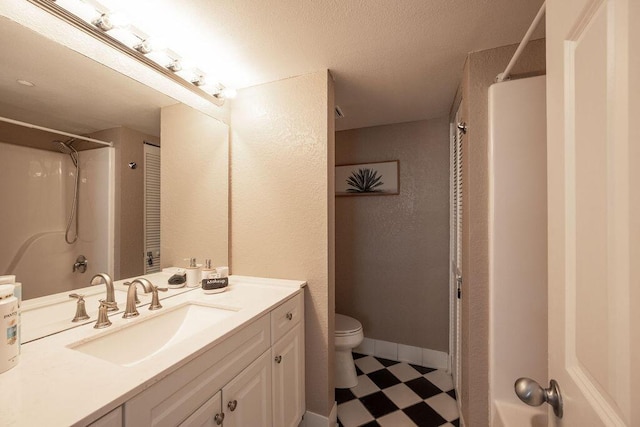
(286, 316)
(112, 419)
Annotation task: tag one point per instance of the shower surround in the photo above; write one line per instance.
(37, 193)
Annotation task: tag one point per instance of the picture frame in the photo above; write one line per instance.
(368, 179)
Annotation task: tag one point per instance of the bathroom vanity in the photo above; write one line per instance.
(234, 359)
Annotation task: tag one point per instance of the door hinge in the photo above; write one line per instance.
(459, 286)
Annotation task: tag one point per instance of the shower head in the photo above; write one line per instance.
(65, 147)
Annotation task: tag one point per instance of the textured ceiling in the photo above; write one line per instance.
(393, 60)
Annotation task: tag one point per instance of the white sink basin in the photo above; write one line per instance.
(144, 338)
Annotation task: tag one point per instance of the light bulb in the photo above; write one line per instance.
(125, 36)
(79, 8)
(119, 19)
(174, 66)
(229, 93)
(143, 47)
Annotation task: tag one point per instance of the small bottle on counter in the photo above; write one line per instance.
(207, 271)
(194, 274)
(10, 279)
(9, 343)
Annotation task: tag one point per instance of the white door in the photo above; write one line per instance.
(593, 116)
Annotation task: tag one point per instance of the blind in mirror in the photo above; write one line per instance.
(151, 208)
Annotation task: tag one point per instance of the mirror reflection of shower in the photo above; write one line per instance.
(66, 147)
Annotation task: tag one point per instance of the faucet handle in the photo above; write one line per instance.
(103, 318)
(81, 311)
(155, 299)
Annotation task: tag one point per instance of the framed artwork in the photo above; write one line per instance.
(368, 179)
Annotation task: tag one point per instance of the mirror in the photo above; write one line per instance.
(75, 94)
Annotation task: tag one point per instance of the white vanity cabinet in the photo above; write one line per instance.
(287, 335)
(245, 401)
(208, 415)
(249, 379)
(288, 378)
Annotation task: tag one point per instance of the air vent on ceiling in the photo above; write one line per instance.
(339, 113)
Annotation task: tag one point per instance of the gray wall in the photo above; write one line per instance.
(392, 251)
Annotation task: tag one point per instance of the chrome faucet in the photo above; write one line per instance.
(131, 310)
(111, 299)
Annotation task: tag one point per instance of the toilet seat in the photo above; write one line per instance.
(346, 325)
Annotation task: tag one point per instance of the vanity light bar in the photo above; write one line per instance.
(101, 24)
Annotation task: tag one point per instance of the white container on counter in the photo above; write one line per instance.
(9, 344)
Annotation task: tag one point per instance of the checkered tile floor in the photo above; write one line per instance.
(397, 394)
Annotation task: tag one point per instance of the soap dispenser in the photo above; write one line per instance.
(207, 271)
(194, 274)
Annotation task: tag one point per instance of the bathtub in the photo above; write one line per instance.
(508, 414)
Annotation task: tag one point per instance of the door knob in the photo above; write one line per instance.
(532, 393)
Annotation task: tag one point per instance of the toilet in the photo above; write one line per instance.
(348, 335)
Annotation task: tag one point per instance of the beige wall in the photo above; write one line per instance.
(281, 174)
(392, 251)
(480, 71)
(129, 199)
(194, 187)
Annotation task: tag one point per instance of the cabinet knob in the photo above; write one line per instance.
(219, 418)
(289, 316)
(278, 359)
(232, 405)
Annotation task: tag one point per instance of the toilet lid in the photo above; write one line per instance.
(346, 325)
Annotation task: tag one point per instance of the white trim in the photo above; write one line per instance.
(311, 419)
(333, 415)
(404, 353)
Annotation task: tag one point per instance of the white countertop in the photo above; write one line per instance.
(56, 385)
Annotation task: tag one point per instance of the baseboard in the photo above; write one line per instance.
(404, 353)
(312, 419)
(333, 415)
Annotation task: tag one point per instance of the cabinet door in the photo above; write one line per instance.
(288, 378)
(208, 415)
(247, 398)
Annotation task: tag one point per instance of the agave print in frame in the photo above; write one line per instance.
(367, 179)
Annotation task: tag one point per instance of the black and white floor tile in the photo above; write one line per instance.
(396, 394)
